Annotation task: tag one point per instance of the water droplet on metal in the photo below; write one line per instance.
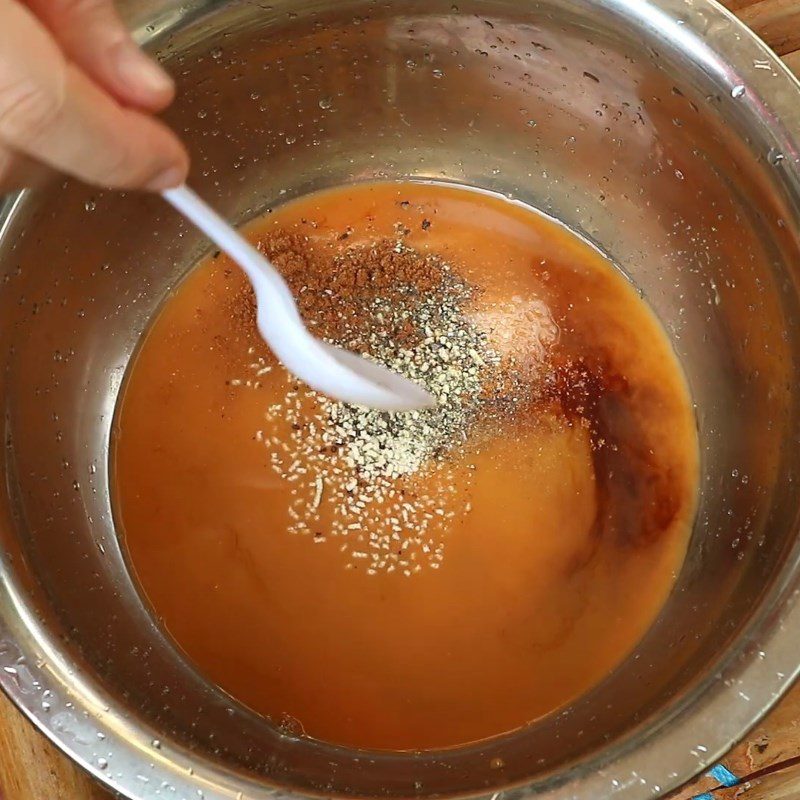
(156, 743)
(102, 763)
(437, 73)
(290, 726)
(738, 91)
(90, 205)
(325, 103)
(775, 156)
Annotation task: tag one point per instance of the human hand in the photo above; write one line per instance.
(78, 95)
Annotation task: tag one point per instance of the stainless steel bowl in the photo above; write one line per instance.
(660, 129)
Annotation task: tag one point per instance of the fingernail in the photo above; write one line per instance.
(137, 69)
(167, 179)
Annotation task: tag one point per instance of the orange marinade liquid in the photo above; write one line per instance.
(529, 607)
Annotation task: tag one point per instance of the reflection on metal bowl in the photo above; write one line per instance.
(662, 131)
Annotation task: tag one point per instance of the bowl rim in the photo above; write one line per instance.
(698, 729)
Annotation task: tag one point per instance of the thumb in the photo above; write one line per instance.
(51, 111)
(92, 36)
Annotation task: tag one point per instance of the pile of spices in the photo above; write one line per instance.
(380, 483)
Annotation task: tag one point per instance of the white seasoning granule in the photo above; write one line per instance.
(384, 482)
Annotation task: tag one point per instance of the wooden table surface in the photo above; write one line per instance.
(766, 765)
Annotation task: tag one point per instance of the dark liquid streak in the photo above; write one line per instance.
(637, 497)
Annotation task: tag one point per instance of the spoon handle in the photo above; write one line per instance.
(226, 237)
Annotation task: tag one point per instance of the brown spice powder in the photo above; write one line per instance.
(334, 289)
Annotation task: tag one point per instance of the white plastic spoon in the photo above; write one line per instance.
(337, 373)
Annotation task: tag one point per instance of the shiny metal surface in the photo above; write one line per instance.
(660, 129)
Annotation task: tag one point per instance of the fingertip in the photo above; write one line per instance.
(141, 80)
(170, 173)
(168, 179)
(173, 167)
(148, 155)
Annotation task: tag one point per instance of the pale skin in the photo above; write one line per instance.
(77, 96)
